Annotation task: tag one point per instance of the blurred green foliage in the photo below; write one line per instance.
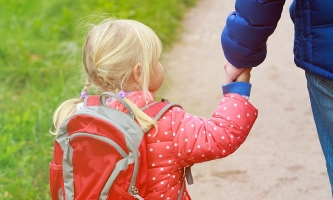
(40, 65)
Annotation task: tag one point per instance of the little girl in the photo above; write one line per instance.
(122, 56)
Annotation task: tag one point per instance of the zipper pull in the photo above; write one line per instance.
(66, 148)
(135, 193)
(138, 197)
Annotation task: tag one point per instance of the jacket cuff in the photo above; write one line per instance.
(241, 88)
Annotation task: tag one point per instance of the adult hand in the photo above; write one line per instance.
(232, 72)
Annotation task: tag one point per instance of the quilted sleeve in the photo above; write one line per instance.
(247, 29)
(198, 139)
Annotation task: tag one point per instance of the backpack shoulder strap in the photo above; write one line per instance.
(157, 109)
(99, 100)
(91, 100)
(154, 109)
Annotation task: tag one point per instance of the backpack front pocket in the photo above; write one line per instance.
(91, 163)
(56, 180)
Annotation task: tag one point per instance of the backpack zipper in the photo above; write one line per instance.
(98, 137)
(135, 193)
(66, 148)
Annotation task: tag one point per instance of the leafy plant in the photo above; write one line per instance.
(40, 67)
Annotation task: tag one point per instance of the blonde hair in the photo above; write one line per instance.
(111, 51)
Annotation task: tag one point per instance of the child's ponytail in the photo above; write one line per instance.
(68, 107)
(142, 118)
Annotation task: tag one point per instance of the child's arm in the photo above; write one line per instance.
(199, 139)
(196, 139)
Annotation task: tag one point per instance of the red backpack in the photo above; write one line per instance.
(100, 152)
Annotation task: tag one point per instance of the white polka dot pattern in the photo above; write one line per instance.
(184, 139)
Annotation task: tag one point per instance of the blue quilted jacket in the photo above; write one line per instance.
(248, 28)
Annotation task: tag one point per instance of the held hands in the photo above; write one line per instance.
(245, 75)
(236, 74)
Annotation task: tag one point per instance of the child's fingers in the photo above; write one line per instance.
(245, 75)
(232, 72)
(248, 70)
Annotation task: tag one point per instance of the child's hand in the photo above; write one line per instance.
(244, 76)
(232, 72)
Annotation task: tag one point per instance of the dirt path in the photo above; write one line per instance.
(282, 158)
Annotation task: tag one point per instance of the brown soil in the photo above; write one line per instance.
(281, 158)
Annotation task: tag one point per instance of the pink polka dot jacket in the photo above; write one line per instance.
(183, 140)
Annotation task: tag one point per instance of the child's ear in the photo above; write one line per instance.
(137, 73)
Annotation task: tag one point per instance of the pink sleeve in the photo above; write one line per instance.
(198, 139)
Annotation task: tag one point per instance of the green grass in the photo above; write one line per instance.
(40, 66)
